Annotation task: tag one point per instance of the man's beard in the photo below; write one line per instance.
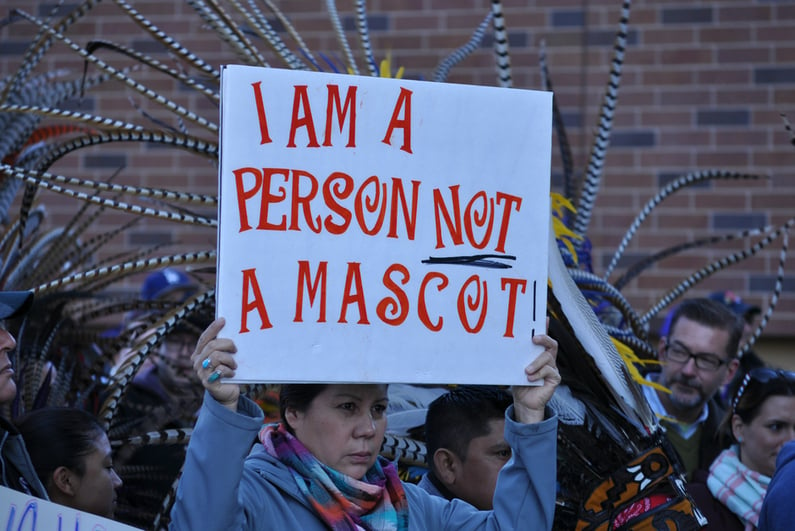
(686, 401)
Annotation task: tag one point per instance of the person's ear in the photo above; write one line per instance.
(661, 347)
(446, 466)
(64, 480)
(738, 427)
(732, 367)
(292, 417)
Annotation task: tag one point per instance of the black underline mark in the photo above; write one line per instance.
(477, 260)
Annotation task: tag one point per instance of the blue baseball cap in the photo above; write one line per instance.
(735, 303)
(166, 281)
(14, 303)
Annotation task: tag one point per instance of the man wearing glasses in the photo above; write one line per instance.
(698, 356)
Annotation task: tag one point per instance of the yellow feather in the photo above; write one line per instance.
(386, 66)
(631, 360)
(559, 202)
(562, 231)
(565, 236)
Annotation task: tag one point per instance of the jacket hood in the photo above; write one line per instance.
(275, 472)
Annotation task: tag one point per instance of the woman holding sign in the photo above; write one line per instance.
(320, 467)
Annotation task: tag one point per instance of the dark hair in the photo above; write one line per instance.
(457, 417)
(712, 314)
(757, 386)
(297, 396)
(59, 436)
(748, 361)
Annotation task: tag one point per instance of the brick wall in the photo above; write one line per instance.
(703, 87)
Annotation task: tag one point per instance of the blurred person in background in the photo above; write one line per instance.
(761, 421)
(698, 356)
(748, 358)
(163, 398)
(16, 469)
(72, 457)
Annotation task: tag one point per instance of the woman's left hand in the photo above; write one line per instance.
(214, 359)
(530, 401)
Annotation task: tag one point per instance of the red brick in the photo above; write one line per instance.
(745, 14)
(687, 97)
(740, 138)
(720, 201)
(724, 75)
(783, 33)
(679, 36)
(414, 22)
(745, 55)
(662, 118)
(724, 34)
(782, 159)
(669, 159)
(687, 138)
(675, 77)
(686, 56)
(741, 96)
(785, 11)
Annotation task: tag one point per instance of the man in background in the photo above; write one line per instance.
(699, 356)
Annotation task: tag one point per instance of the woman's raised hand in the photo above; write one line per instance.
(213, 359)
(530, 401)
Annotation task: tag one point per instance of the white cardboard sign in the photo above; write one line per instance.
(381, 230)
(22, 512)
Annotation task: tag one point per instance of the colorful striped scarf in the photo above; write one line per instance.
(377, 502)
(737, 487)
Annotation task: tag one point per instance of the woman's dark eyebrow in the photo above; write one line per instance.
(357, 397)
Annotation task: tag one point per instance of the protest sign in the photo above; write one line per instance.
(23, 512)
(381, 230)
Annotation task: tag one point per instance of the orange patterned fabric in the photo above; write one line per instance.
(645, 494)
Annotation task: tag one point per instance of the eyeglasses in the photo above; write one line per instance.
(678, 353)
(762, 375)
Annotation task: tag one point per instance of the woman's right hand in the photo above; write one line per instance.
(213, 359)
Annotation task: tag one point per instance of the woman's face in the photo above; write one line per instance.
(763, 437)
(343, 426)
(95, 491)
